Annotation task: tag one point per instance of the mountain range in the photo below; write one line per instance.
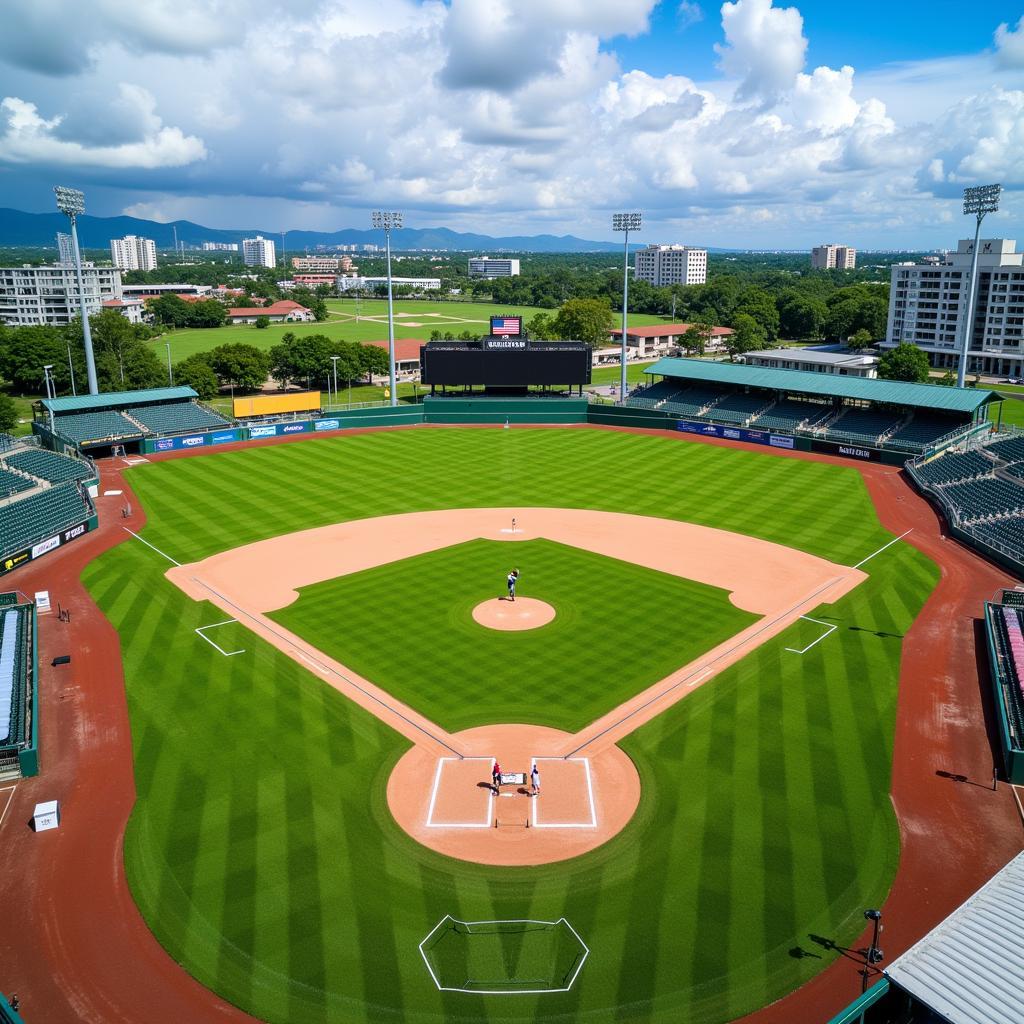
(18, 228)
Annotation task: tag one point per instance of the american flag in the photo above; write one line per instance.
(506, 325)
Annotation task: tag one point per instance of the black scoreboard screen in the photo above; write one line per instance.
(505, 362)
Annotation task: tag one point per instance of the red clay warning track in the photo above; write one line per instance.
(76, 948)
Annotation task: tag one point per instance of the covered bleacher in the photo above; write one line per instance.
(1005, 629)
(17, 668)
(99, 423)
(878, 414)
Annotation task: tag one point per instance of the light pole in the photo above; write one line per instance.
(875, 955)
(625, 222)
(71, 369)
(72, 202)
(334, 364)
(385, 221)
(170, 375)
(51, 391)
(979, 200)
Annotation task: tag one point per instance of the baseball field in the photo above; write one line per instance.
(263, 851)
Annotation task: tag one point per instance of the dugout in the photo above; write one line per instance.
(506, 366)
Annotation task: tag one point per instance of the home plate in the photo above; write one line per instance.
(522, 613)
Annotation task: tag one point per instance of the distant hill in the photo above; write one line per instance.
(31, 229)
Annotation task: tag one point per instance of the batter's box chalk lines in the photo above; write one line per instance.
(830, 628)
(214, 625)
(430, 823)
(537, 823)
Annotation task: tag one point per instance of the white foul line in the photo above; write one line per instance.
(148, 545)
(585, 761)
(7, 806)
(430, 823)
(881, 549)
(227, 654)
(831, 627)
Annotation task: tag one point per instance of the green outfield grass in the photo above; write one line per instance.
(371, 324)
(261, 851)
(564, 674)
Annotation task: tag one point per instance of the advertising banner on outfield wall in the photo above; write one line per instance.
(174, 444)
(44, 546)
(735, 433)
(280, 429)
(850, 451)
(327, 425)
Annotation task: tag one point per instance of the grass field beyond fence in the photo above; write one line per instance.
(261, 851)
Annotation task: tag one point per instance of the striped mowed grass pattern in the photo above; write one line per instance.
(618, 629)
(261, 851)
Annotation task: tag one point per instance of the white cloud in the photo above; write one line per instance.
(688, 13)
(764, 47)
(824, 99)
(1010, 45)
(29, 138)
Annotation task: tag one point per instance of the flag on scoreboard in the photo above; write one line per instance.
(506, 325)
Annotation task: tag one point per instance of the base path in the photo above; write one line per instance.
(439, 790)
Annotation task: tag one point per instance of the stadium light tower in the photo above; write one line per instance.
(979, 200)
(72, 202)
(625, 222)
(384, 221)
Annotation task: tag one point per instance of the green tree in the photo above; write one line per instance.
(243, 366)
(170, 309)
(904, 362)
(541, 327)
(206, 313)
(588, 320)
(373, 360)
(24, 351)
(800, 316)
(697, 336)
(748, 335)
(262, 323)
(195, 372)
(860, 338)
(8, 410)
(760, 306)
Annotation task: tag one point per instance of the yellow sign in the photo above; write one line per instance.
(268, 405)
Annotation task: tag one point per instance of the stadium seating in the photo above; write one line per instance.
(1010, 449)
(13, 641)
(12, 483)
(40, 515)
(96, 426)
(985, 497)
(176, 418)
(7, 442)
(739, 407)
(923, 430)
(951, 467)
(1009, 642)
(691, 401)
(47, 465)
(789, 414)
(862, 426)
(1005, 533)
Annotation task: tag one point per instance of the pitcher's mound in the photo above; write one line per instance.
(522, 613)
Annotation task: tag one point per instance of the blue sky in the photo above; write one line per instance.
(739, 123)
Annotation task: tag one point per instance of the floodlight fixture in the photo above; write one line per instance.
(71, 201)
(625, 222)
(386, 221)
(979, 200)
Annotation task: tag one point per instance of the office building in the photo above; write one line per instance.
(49, 295)
(65, 250)
(833, 257)
(133, 253)
(259, 252)
(220, 247)
(671, 264)
(321, 264)
(491, 266)
(928, 302)
(419, 284)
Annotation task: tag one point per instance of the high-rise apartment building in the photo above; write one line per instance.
(928, 303)
(220, 247)
(833, 257)
(133, 253)
(493, 266)
(65, 249)
(259, 252)
(671, 264)
(49, 295)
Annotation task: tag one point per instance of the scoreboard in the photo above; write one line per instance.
(500, 361)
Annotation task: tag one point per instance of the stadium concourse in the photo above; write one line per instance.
(81, 950)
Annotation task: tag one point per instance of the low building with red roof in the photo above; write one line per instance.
(659, 338)
(407, 353)
(283, 311)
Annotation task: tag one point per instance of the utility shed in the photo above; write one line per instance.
(970, 969)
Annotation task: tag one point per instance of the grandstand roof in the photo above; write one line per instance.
(83, 403)
(807, 382)
(969, 968)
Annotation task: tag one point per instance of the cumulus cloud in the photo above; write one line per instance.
(764, 47)
(26, 137)
(1010, 45)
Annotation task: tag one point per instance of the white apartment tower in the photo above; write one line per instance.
(133, 253)
(671, 264)
(259, 252)
(491, 267)
(65, 250)
(833, 257)
(928, 302)
(49, 295)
